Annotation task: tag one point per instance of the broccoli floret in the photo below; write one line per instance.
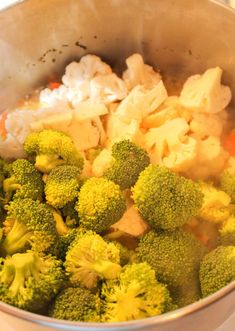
(76, 304)
(66, 235)
(30, 281)
(136, 294)
(90, 258)
(129, 161)
(62, 185)
(227, 184)
(100, 204)
(215, 204)
(217, 269)
(29, 224)
(126, 255)
(52, 148)
(227, 232)
(24, 182)
(64, 241)
(70, 214)
(4, 169)
(175, 256)
(164, 199)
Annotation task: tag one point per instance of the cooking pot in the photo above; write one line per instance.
(177, 37)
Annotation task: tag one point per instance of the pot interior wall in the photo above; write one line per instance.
(38, 38)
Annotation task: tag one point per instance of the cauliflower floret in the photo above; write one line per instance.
(57, 121)
(117, 129)
(140, 102)
(87, 110)
(88, 67)
(230, 165)
(205, 92)
(210, 161)
(92, 79)
(139, 73)
(205, 125)
(102, 162)
(107, 89)
(49, 98)
(131, 223)
(11, 148)
(160, 117)
(84, 134)
(168, 110)
(169, 145)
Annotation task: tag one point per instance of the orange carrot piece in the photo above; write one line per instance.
(53, 85)
(3, 131)
(229, 143)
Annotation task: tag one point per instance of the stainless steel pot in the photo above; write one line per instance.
(38, 38)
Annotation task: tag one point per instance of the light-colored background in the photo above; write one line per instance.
(227, 326)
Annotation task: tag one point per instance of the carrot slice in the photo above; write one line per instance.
(53, 85)
(229, 143)
(3, 131)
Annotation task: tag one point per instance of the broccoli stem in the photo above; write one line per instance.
(46, 162)
(9, 187)
(21, 267)
(17, 238)
(107, 269)
(61, 227)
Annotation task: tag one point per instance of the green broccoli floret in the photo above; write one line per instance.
(62, 185)
(4, 169)
(129, 161)
(164, 199)
(29, 224)
(217, 269)
(24, 182)
(227, 232)
(227, 184)
(70, 214)
(215, 207)
(52, 148)
(126, 255)
(100, 204)
(30, 281)
(175, 256)
(90, 258)
(136, 294)
(76, 304)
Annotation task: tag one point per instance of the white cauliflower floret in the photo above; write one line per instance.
(168, 110)
(84, 134)
(49, 98)
(170, 146)
(141, 102)
(230, 165)
(57, 121)
(107, 89)
(102, 162)
(205, 92)
(210, 161)
(96, 121)
(131, 223)
(88, 67)
(205, 125)
(87, 110)
(139, 73)
(117, 129)
(11, 148)
(92, 79)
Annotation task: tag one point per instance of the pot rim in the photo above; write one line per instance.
(130, 325)
(135, 324)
